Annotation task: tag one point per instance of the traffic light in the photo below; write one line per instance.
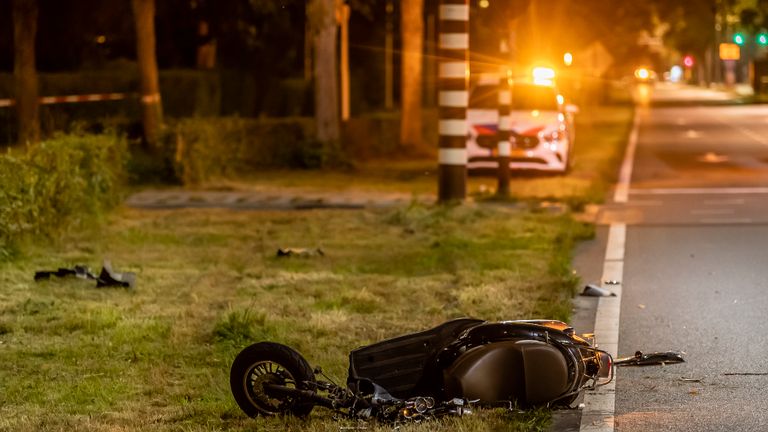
(762, 39)
(688, 61)
(738, 39)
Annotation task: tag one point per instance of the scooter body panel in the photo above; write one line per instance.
(529, 372)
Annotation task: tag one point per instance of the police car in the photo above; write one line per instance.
(541, 126)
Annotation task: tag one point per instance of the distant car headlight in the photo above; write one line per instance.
(642, 74)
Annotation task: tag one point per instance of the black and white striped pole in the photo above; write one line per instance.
(503, 135)
(453, 98)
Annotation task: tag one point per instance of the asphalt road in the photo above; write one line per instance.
(696, 267)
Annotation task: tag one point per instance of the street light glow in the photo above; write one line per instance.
(543, 75)
(568, 58)
(738, 39)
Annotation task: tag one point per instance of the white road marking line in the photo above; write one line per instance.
(726, 221)
(647, 203)
(713, 211)
(621, 194)
(755, 136)
(732, 201)
(701, 191)
(600, 404)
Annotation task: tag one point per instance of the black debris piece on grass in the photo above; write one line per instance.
(107, 278)
(650, 359)
(299, 252)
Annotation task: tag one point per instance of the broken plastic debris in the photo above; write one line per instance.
(299, 252)
(78, 271)
(692, 380)
(592, 290)
(656, 358)
(612, 282)
(107, 277)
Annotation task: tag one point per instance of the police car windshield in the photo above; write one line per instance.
(524, 97)
(533, 97)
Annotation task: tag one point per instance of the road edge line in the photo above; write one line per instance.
(599, 413)
(599, 404)
(621, 194)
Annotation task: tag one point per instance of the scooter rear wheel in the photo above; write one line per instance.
(270, 363)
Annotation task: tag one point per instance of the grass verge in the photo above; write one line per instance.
(601, 133)
(157, 358)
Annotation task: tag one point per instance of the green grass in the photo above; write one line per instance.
(601, 133)
(209, 283)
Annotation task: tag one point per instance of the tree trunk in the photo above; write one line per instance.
(323, 18)
(412, 31)
(27, 104)
(151, 106)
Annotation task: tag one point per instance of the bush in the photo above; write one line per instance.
(210, 148)
(58, 185)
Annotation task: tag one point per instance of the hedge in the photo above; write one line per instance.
(58, 185)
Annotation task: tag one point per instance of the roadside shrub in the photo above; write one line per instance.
(57, 185)
(210, 148)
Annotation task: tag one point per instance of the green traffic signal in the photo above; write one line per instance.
(738, 39)
(762, 39)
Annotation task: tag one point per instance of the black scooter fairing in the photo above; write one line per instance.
(400, 364)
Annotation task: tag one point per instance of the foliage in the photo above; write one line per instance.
(239, 327)
(58, 185)
(226, 147)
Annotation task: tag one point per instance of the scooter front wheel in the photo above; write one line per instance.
(270, 363)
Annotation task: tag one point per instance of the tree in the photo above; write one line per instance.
(412, 33)
(27, 104)
(151, 106)
(322, 18)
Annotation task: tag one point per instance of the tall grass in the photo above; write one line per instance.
(210, 283)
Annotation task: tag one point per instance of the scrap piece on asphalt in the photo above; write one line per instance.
(299, 252)
(592, 290)
(656, 358)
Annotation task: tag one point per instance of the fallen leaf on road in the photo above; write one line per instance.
(641, 306)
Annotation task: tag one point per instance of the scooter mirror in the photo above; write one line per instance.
(605, 373)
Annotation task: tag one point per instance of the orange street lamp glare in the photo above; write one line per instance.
(568, 58)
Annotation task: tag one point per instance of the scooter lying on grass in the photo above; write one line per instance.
(446, 370)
